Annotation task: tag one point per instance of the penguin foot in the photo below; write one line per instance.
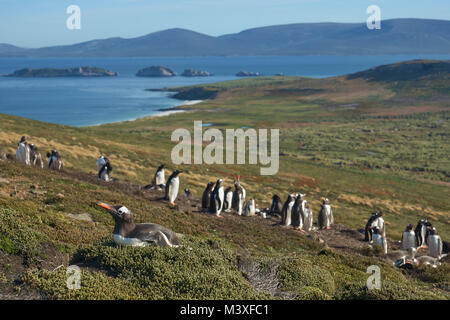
(219, 216)
(172, 204)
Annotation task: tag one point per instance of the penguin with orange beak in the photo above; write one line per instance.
(128, 233)
(172, 186)
(217, 198)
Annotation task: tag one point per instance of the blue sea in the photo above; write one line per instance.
(94, 101)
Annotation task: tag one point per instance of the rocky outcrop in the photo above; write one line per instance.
(195, 73)
(156, 71)
(247, 74)
(69, 72)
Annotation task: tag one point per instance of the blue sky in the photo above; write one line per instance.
(36, 23)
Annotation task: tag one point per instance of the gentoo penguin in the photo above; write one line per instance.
(408, 238)
(35, 156)
(228, 199)
(141, 234)
(396, 255)
(250, 208)
(420, 232)
(296, 217)
(23, 151)
(104, 168)
(377, 221)
(306, 214)
(159, 180)
(238, 195)
(286, 218)
(426, 261)
(54, 160)
(434, 244)
(206, 197)
(217, 198)
(276, 206)
(379, 239)
(325, 218)
(172, 186)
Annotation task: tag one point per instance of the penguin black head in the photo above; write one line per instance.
(23, 139)
(161, 166)
(434, 232)
(409, 227)
(176, 172)
(119, 213)
(210, 184)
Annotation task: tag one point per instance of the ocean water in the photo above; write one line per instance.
(93, 101)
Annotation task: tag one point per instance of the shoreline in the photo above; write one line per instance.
(160, 113)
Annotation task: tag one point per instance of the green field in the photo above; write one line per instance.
(366, 142)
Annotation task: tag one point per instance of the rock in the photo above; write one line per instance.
(59, 196)
(195, 73)
(69, 72)
(247, 74)
(155, 71)
(82, 217)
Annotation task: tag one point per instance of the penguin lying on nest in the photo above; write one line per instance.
(140, 234)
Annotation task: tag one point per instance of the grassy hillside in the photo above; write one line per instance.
(366, 145)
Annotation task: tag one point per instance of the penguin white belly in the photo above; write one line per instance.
(409, 240)
(307, 225)
(173, 191)
(244, 193)
(228, 200)
(160, 178)
(289, 213)
(100, 163)
(328, 219)
(134, 242)
(241, 204)
(380, 241)
(104, 175)
(221, 195)
(434, 246)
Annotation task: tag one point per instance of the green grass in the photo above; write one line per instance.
(365, 146)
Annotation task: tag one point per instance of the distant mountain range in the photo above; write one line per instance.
(397, 36)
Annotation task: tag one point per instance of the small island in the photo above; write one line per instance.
(195, 73)
(68, 72)
(156, 71)
(247, 74)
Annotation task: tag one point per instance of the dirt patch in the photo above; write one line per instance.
(371, 190)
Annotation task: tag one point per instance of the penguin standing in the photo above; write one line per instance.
(277, 205)
(105, 169)
(238, 195)
(23, 151)
(296, 217)
(217, 198)
(420, 233)
(250, 208)
(35, 156)
(141, 234)
(172, 186)
(434, 244)
(159, 180)
(228, 199)
(206, 197)
(325, 218)
(54, 160)
(408, 238)
(377, 221)
(306, 214)
(379, 239)
(286, 218)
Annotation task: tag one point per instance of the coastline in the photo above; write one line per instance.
(161, 113)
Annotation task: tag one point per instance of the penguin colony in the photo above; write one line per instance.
(295, 212)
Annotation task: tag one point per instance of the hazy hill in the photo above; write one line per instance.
(397, 36)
